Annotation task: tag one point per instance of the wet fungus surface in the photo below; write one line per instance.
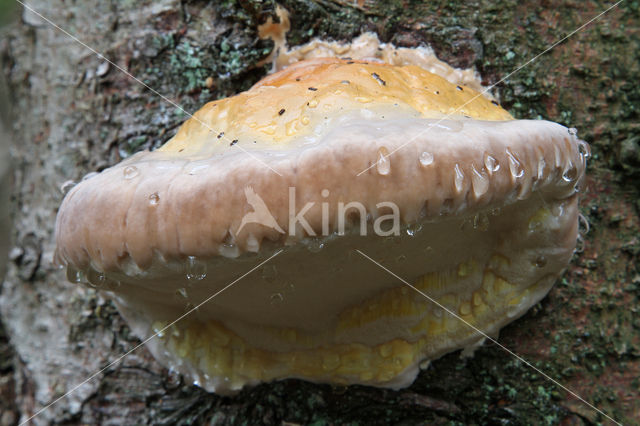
(436, 182)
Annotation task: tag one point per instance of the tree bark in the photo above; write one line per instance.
(73, 114)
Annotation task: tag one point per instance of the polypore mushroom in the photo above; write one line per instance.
(437, 183)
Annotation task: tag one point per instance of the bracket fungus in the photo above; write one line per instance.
(329, 156)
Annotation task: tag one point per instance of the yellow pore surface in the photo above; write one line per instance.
(218, 352)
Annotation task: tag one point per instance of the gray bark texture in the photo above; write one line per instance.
(72, 113)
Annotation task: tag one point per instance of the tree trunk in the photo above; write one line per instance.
(74, 114)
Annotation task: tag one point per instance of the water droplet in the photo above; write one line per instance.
(96, 278)
(572, 131)
(447, 206)
(252, 244)
(385, 350)
(130, 172)
(557, 210)
(481, 222)
(330, 361)
(198, 168)
(269, 273)
(413, 229)
(75, 275)
(541, 261)
(229, 249)
(583, 225)
(401, 258)
(480, 182)
(449, 125)
(458, 179)
(465, 308)
(515, 311)
(154, 199)
(314, 245)
(516, 169)
(89, 176)
(66, 186)
(557, 155)
(182, 292)
(584, 149)
(158, 328)
(579, 244)
(367, 113)
(196, 270)
(276, 299)
(426, 158)
(570, 174)
(491, 164)
(541, 165)
(312, 103)
(383, 164)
